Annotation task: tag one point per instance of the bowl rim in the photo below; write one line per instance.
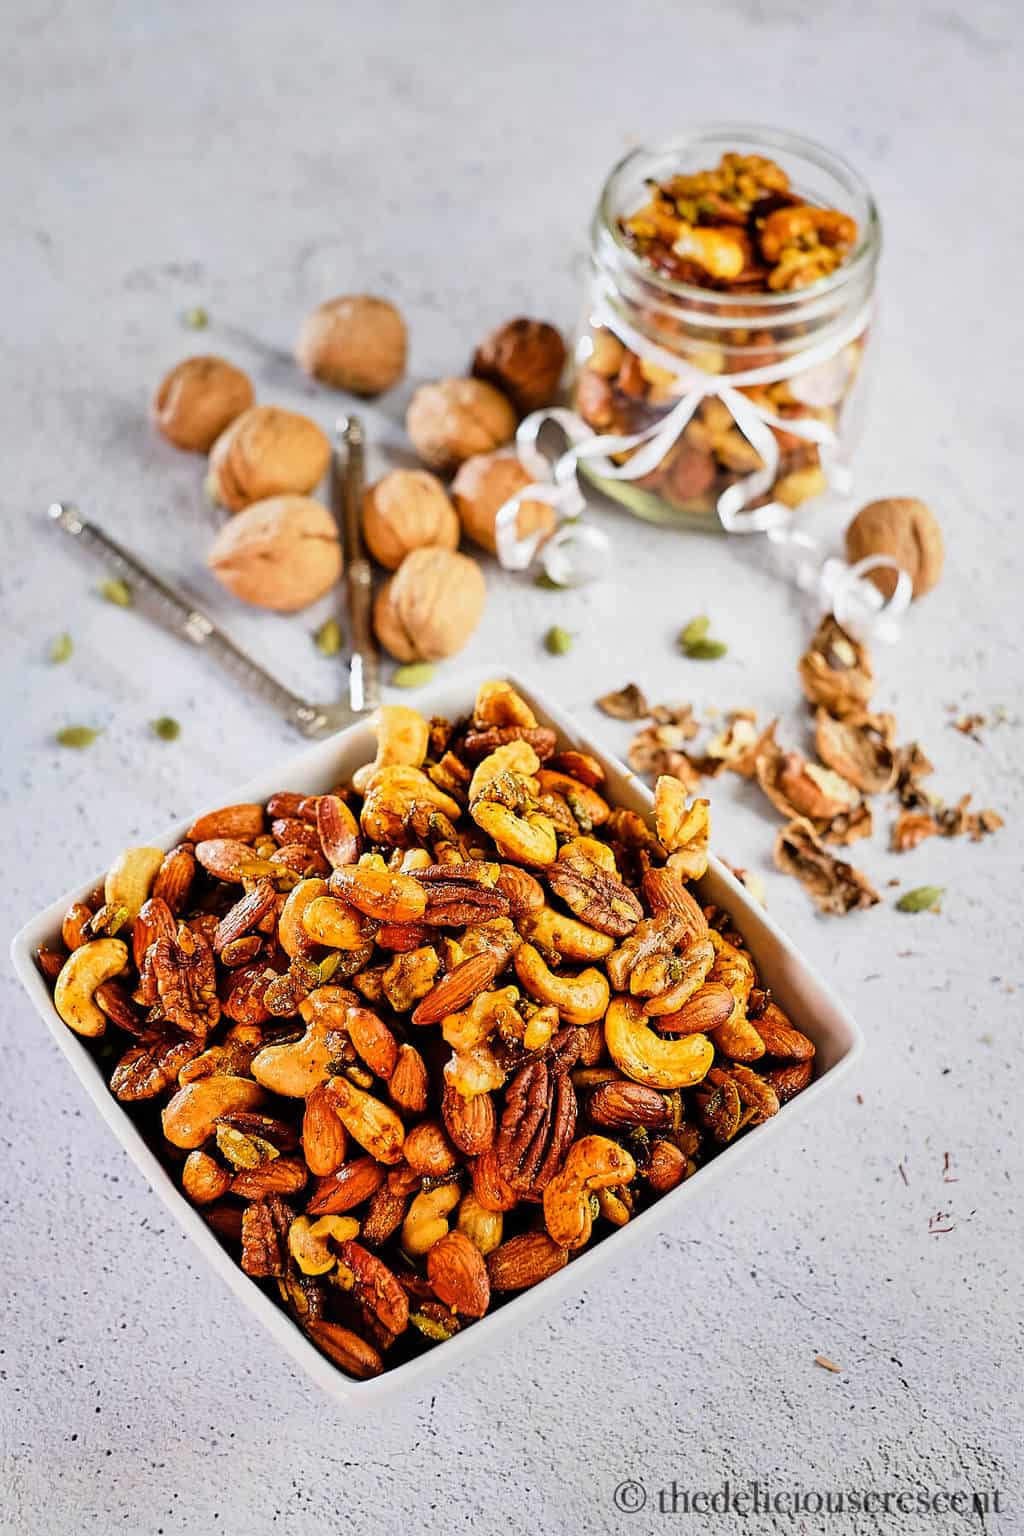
(581, 1269)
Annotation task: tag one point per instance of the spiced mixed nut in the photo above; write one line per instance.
(411, 1044)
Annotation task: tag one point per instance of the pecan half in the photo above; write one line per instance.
(152, 1066)
(186, 982)
(265, 1226)
(596, 897)
(539, 1120)
(478, 744)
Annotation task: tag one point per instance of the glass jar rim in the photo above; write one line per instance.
(864, 255)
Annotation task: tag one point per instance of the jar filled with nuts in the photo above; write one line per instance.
(720, 356)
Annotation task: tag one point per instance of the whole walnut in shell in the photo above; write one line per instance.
(431, 605)
(282, 553)
(267, 452)
(451, 420)
(482, 486)
(198, 399)
(407, 509)
(905, 530)
(524, 358)
(356, 342)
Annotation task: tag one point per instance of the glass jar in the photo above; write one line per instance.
(648, 340)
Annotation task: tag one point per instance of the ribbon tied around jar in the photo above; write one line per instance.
(576, 551)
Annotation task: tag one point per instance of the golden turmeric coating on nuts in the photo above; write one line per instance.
(443, 1041)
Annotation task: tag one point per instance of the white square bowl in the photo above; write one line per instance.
(803, 995)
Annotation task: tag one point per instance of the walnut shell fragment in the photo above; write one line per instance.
(798, 788)
(836, 670)
(834, 886)
(860, 748)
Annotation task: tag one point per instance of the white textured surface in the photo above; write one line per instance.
(156, 157)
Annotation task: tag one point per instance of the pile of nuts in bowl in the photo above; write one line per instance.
(410, 1045)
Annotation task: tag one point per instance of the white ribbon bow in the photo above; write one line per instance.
(575, 550)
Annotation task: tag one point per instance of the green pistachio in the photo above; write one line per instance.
(924, 898)
(327, 638)
(117, 592)
(60, 648)
(77, 736)
(414, 675)
(166, 727)
(558, 640)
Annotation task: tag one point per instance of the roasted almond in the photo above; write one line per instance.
(627, 1104)
(490, 1185)
(346, 1188)
(155, 921)
(338, 831)
(524, 1260)
(242, 822)
(471, 1123)
(284, 1176)
(228, 859)
(458, 1274)
(780, 1038)
(174, 877)
(346, 1349)
(791, 1080)
(324, 1138)
(458, 988)
(408, 1084)
(663, 891)
(428, 1151)
(708, 1009)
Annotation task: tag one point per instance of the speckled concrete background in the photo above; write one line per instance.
(256, 159)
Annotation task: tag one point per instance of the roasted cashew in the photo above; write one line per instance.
(580, 999)
(85, 969)
(309, 1241)
(593, 1163)
(403, 736)
(528, 839)
(498, 704)
(720, 252)
(374, 1125)
(130, 879)
(426, 1220)
(291, 932)
(190, 1117)
(648, 1058)
(327, 920)
(805, 225)
(512, 757)
(483, 1227)
(298, 1066)
(566, 936)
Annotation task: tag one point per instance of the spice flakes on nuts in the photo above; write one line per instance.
(416, 1041)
